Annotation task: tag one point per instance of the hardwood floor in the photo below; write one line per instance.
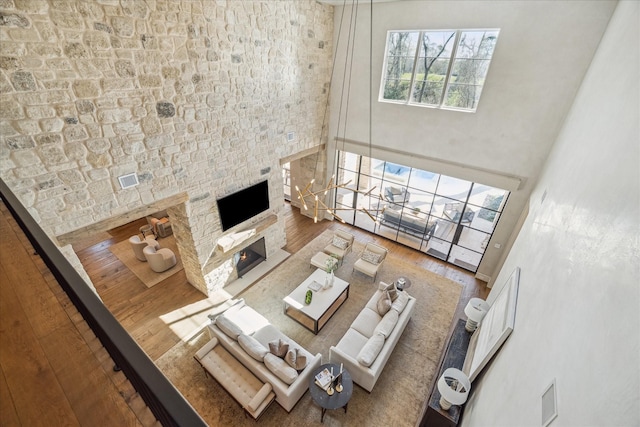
(54, 370)
(136, 307)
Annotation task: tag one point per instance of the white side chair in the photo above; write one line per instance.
(161, 259)
(370, 260)
(138, 245)
(340, 245)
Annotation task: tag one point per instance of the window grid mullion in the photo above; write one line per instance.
(454, 52)
(413, 70)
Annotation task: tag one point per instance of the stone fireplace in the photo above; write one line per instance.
(248, 258)
(222, 269)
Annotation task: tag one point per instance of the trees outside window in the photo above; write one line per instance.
(443, 69)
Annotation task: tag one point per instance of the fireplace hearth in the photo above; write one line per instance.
(248, 258)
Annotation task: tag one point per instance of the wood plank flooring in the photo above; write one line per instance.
(54, 371)
(136, 307)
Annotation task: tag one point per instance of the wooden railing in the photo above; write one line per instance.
(162, 398)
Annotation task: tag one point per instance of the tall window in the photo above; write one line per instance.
(443, 216)
(443, 69)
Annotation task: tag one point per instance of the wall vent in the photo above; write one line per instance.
(129, 180)
(549, 404)
(291, 136)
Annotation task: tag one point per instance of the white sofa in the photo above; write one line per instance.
(366, 346)
(288, 384)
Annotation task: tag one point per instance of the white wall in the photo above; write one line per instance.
(540, 59)
(577, 316)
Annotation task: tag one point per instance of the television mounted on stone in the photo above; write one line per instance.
(242, 205)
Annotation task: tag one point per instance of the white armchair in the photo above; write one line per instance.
(370, 260)
(396, 195)
(340, 245)
(138, 245)
(159, 260)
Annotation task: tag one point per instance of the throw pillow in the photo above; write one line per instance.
(296, 359)
(370, 257)
(252, 347)
(228, 327)
(339, 242)
(384, 303)
(260, 396)
(391, 288)
(280, 368)
(370, 350)
(279, 348)
(386, 325)
(401, 302)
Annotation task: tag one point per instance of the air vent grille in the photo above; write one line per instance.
(129, 180)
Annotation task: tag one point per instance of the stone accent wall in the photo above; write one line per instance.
(194, 96)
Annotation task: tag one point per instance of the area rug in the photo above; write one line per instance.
(398, 396)
(124, 253)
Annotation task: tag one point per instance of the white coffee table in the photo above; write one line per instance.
(324, 303)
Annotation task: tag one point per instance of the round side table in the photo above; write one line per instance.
(147, 231)
(336, 400)
(402, 283)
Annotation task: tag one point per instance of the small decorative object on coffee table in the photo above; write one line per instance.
(337, 381)
(340, 383)
(308, 296)
(331, 264)
(402, 283)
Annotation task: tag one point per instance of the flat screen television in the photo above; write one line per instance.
(244, 204)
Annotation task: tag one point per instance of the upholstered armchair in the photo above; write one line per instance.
(454, 210)
(159, 259)
(160, 223)
(370, 260)
(138, 245)
(396, 195)
(340, 245)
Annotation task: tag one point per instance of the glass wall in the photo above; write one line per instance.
(445, 217)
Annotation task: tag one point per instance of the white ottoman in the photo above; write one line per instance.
(320, 260)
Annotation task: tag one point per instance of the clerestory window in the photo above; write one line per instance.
(442, 69)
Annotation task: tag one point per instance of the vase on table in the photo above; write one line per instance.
(328, 280)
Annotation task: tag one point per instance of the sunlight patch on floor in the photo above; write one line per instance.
(188, 321)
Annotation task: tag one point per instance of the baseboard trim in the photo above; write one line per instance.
(483, 277)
